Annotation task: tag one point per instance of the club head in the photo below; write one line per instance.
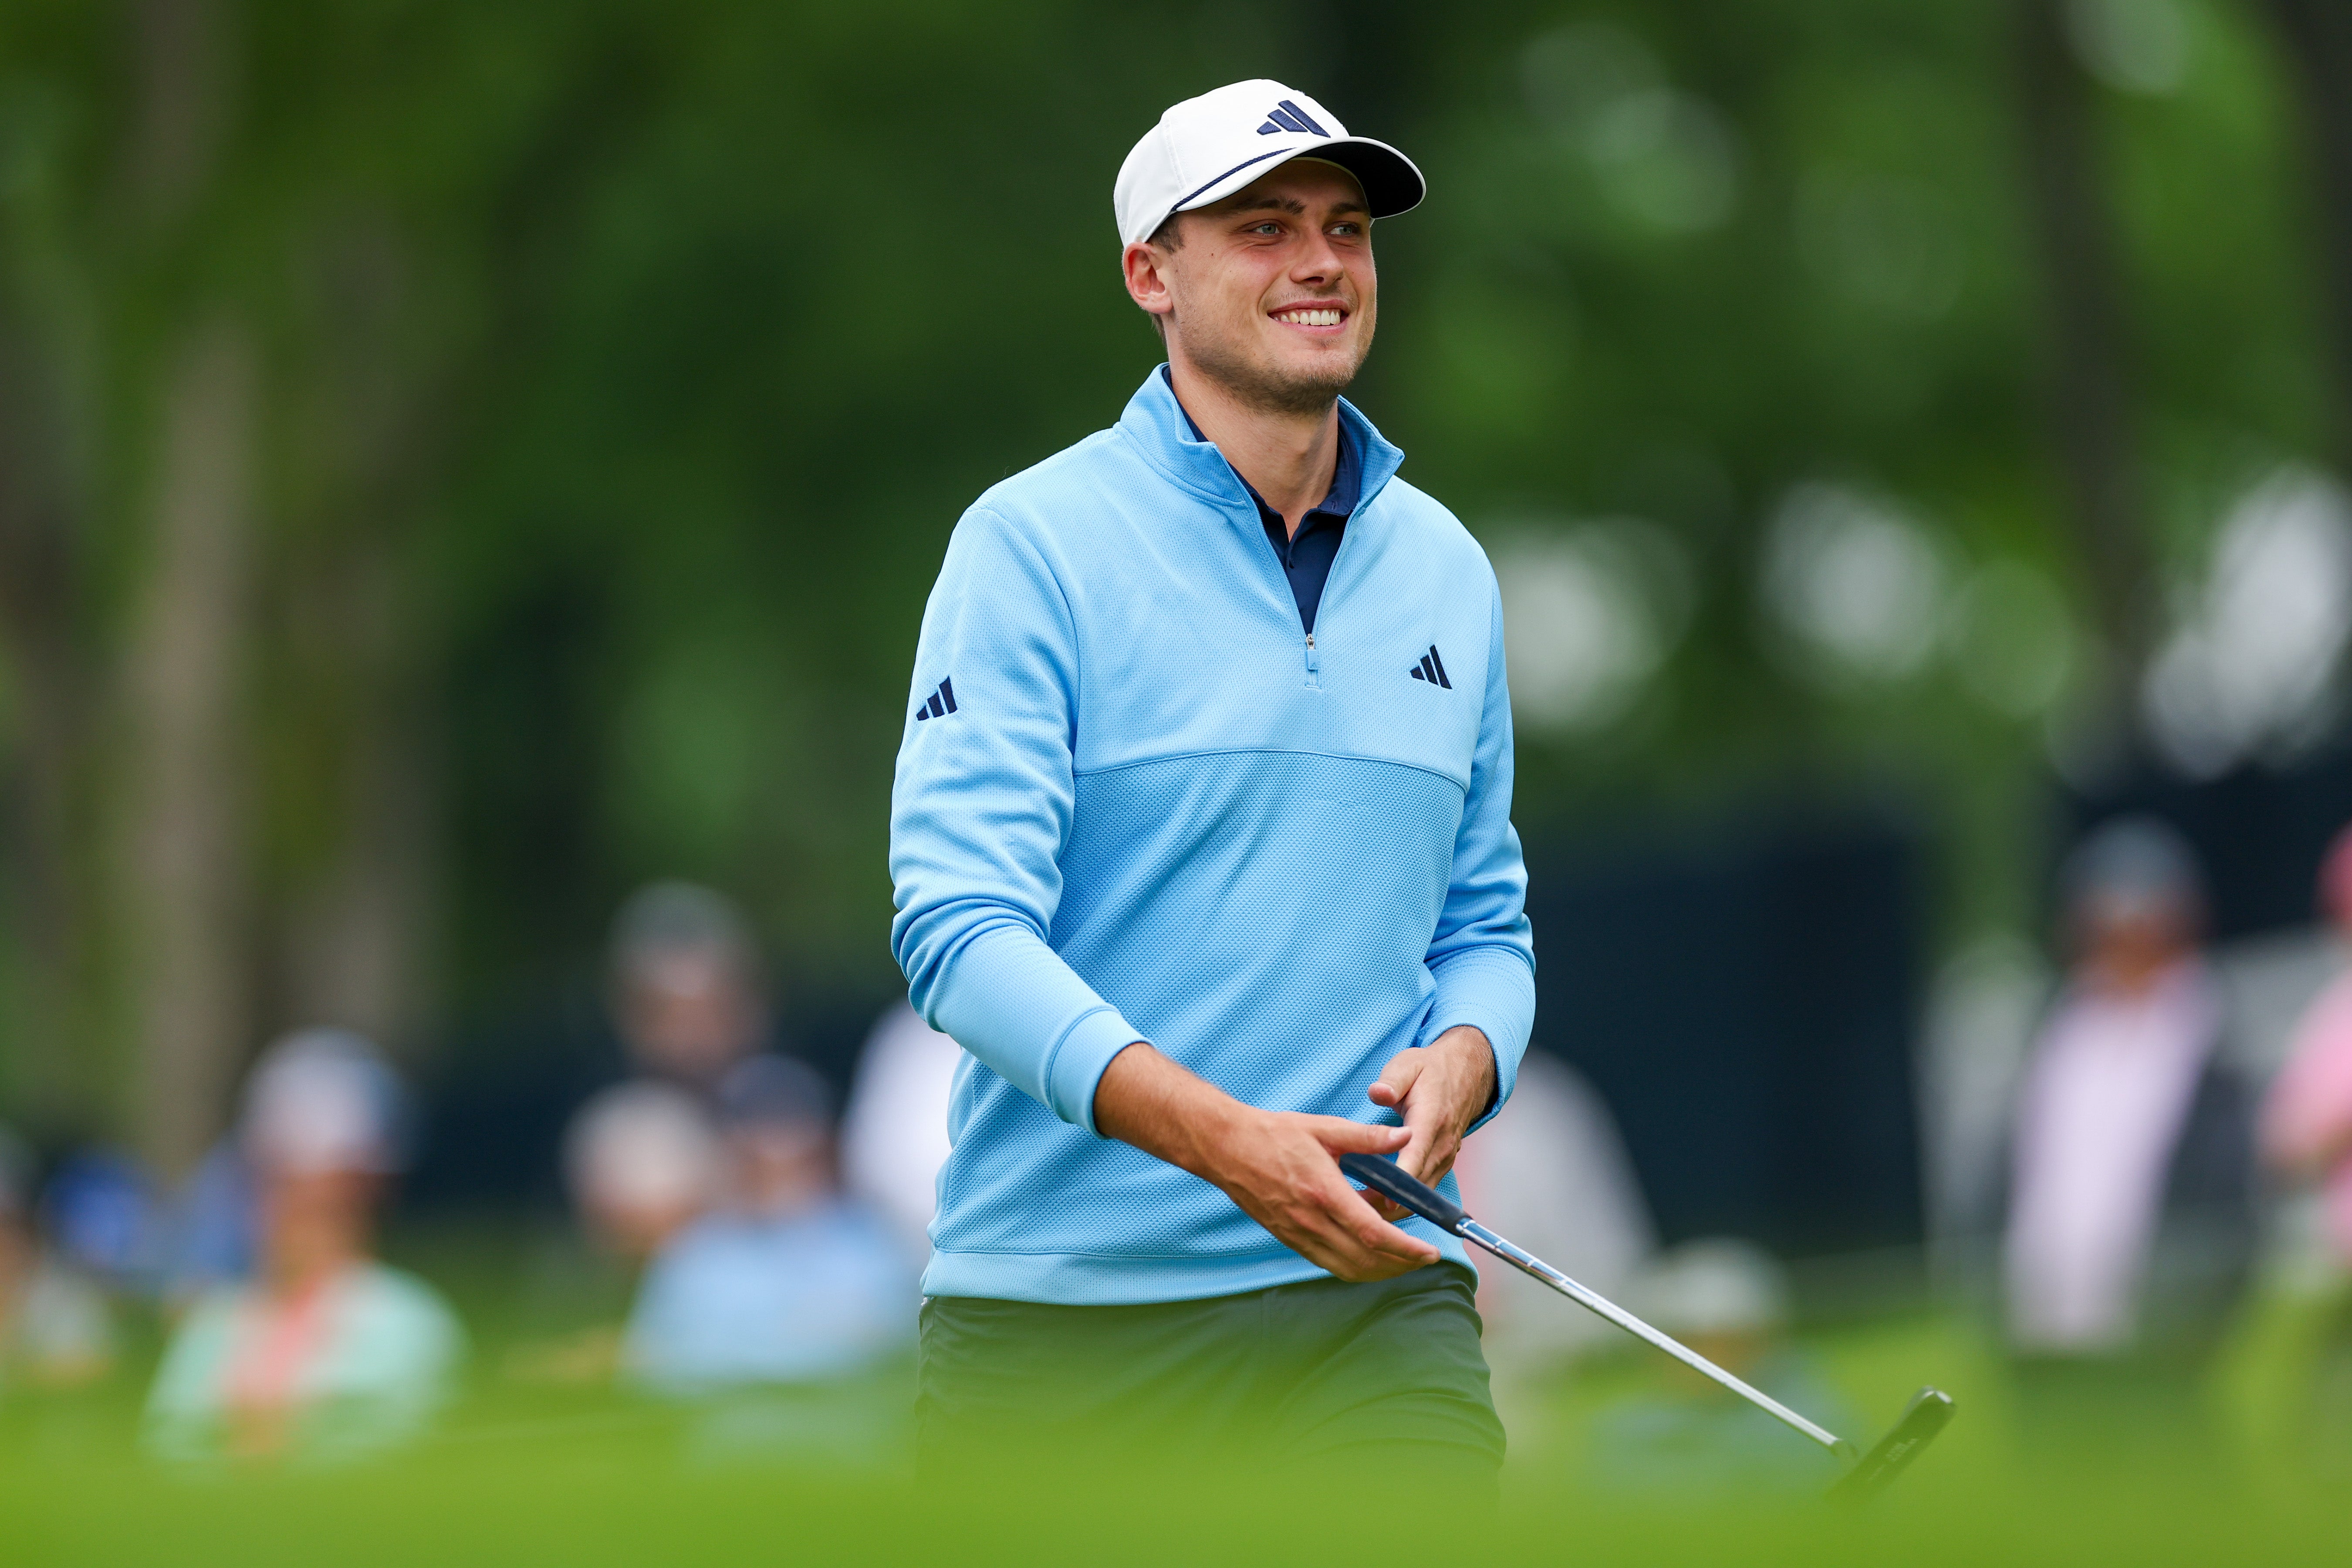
(1927, 1414)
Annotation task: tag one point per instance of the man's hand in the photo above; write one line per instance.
(1441, 1089)
(1281, 1167)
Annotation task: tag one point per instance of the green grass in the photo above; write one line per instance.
(530, 1473)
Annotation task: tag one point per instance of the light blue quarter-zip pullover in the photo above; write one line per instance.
(1137, 801)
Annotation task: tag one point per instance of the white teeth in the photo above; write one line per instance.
(1311, 318)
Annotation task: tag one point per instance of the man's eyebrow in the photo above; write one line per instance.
(1247, 204)
(1292, 204)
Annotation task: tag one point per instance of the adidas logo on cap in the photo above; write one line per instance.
(1288, 116)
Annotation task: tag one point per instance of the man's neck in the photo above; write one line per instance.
(1288, 458)
(302, 1271)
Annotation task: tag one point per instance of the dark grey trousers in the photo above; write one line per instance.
(1320, 1370)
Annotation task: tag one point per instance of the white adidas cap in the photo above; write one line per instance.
(1206, 147)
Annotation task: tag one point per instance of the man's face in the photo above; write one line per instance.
(2129, 941)
(688, 1013)
(780, 1166)
(1270, 291)
(315, 1219)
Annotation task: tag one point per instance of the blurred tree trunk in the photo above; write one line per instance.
(184, 904)
(2318, 39)
(185, 897)
(356, 905)
(353, 916)
(47, 678)
(2090, 380)
(298, 897)
(186, 59)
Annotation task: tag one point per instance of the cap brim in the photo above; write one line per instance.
(1391, 184)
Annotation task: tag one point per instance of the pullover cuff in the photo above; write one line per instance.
(1076, 1064)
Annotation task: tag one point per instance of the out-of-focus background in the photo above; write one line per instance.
(469, 477)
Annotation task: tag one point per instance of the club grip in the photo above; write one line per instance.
(1382, 1177)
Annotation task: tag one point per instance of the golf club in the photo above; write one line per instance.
(1924, 1416)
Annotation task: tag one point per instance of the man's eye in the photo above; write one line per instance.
(1265, 228)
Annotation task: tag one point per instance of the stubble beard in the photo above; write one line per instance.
(1267, 388)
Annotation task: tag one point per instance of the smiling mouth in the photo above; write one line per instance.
(1311, 316)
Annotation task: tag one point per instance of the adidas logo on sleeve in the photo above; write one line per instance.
(940, 703)
(1432, 668)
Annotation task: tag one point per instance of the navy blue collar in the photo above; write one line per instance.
(1306, 556)
(1339, 502)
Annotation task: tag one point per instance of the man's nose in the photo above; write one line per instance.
(1317, 261)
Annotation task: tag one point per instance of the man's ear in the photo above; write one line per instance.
(1144, 268)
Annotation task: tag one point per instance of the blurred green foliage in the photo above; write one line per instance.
(624, 367)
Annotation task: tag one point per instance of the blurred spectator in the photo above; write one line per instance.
(1550, 1173)
(2131, 1213)
(894, 1137)
(326, 1353)
(686, 991)
(213, 1225)
(2308, 1120)
(785, 1283)
(683, 997)
(2306, 1133)
(642, 1162)
(1728, 1300)
(54, 1327)
(101, 1215)
(687, 1000)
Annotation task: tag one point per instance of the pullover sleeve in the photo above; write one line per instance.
(979, 813)
(1482, 955)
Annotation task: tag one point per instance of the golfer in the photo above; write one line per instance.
(1202, 850)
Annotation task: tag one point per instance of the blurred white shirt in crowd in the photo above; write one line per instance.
(2105, 1101)
(894, 1137)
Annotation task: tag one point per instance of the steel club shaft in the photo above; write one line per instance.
(1593, 1301)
